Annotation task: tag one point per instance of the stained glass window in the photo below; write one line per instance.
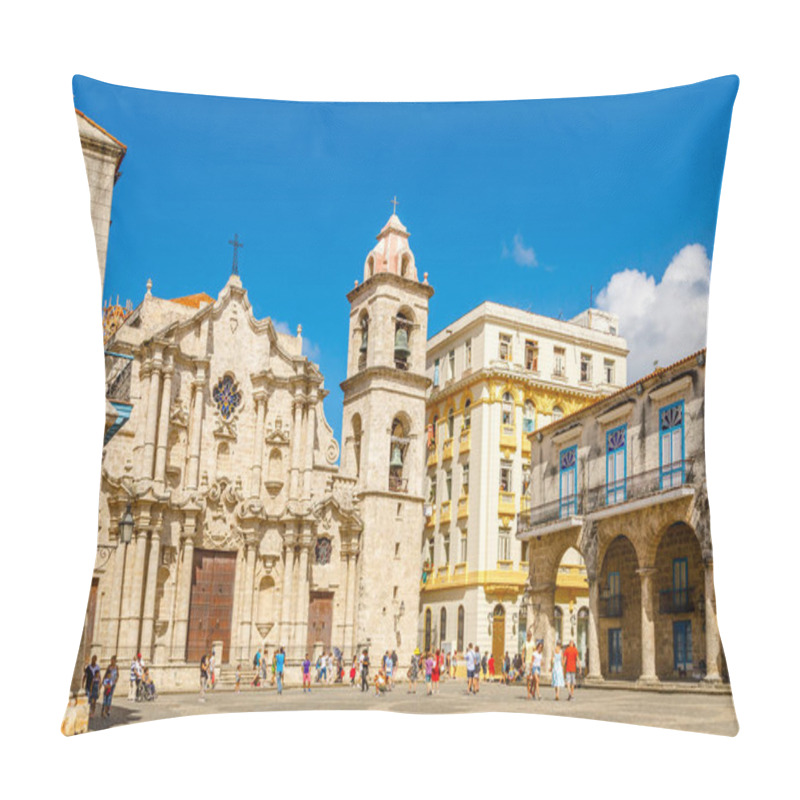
(227, 396)
(322, 551)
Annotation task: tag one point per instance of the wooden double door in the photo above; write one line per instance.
(320, 621)
(211, 603)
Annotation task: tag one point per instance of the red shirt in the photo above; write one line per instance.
(571, 659)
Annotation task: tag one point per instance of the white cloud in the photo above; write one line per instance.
(661, 321)
(524, 256)
(310, 349)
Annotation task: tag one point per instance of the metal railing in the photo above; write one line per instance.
(642, 484)
(676, 601)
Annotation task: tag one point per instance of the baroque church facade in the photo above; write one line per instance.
(245, 531)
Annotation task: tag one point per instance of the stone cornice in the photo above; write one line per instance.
(411, 379)
(389, 278)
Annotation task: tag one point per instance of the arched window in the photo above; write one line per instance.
(363, 333)
(508, 409)
(460, 637)
(223, 460)
(397, 453)
(442, 625)
(557, 413)
(356, 433)
(467, 414)
(404, 263)
(370, 266)
(428, 625)
(450, 423)
(275, 470)
(558, 623)
(529, 417)
(402, 340)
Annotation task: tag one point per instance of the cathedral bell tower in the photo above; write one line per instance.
(383, 432)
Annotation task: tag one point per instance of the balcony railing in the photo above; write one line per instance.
(611, 606)
(676, 601)
(398, 484)
(432, 457)
(463, 441)
(445, 512)
(634, 487)
(447, 449)
(463, 506)
(118, 377)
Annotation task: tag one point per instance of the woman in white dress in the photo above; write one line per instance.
(557, 669)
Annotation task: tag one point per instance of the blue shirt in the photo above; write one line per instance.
(279, 659)
(306, 667)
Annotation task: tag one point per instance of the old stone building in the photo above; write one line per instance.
(102, 154)
(245, 532)
(622, 482)
(497, 374)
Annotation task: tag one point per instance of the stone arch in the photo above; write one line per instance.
(224, 460)
(265, 604)
(275, 466)
(406, 265)
(653, 541)
(403, 324)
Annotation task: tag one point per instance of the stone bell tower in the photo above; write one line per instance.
(383, 432)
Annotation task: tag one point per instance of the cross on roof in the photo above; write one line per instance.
(394, 203)
(236, 245)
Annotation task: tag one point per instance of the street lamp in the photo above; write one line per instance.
(126, 526)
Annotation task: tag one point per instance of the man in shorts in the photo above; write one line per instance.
(571, 667)
(306, 675)
(470, 659)
(477, 670)
(528, 649)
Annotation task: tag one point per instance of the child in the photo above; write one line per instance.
(380, 682)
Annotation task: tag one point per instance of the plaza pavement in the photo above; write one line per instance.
(703, 713)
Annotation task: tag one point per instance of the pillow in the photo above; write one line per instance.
(499, 493)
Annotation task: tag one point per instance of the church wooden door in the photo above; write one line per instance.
(320, 621)
(211, 603)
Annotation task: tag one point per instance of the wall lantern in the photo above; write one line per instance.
(126, 526)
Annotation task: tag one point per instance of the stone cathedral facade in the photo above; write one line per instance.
(246, 532)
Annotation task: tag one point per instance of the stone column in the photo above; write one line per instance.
(130, 622)
(286, 589)
(163, 425)
(149, 613)
(152, 416)
(713, 648)
(258, 444)
(346, 622)
(113, 607)
(301, 603)
(297, 429)
(180, 630)
(594, 672)
(310, 423)
(648, 674)
(246, 619)
(352, 587)
(198, 386)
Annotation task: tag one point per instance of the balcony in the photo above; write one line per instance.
(611, 607)
(447, 449)
(507, 503)
(464, 441)
(508, 436)
(430, 521)
(463, 506)
(603, 500)
(445, 512)
(676, 601)
(398, 484)
(432, 456)
(525, 506)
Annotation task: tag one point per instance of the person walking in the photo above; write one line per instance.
(389, 669)
(436, 672)
(571, 667)
(413, 672)
(528, 649)
(280, 658)
(92, 684)
(353, 670)
(238, 679)
(109, 684)
(536, 669)
(306, 674)
(364, 671)
(132, 687)
(428, 673)
(484, 665)
(212, 667)
(476, 681)
(203, 677)
(557, 669)
(470, 659)
(453, 665)
(256, 667)
(263, 667)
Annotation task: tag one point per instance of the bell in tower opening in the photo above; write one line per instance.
(402, 352)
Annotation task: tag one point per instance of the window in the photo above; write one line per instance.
(615, 650)
(460, 637)
(616, 468)
(468, 353)
(451, 361)
(557, 413)
(614, 601)
(531, 355)
(363, 330)
(508, 409)
(398, 445)
(559, 361)
(528, 417)
(672, 466)
(608, 370)
(680, 585)
(586, 368)
(524, 554)
(450, 423)
(682, 645)
(504, 352)
(467, 414)
(432, 490)
(505, 476)
(436, 372)
(443, 624)
(431, 552)
(446, 547)
(568, 478)
(448, 479)
(465, 479)
(526, 478)
(504, 545)
(428, 625)
(462, 556)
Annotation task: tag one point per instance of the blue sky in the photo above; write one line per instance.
(528, 203)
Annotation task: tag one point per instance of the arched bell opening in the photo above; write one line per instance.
(402, 341)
